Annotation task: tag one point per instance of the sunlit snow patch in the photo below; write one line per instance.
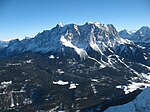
(60, 82)
(133, 86)
(145, 57)
(12, 100)
(60, 71)
(51, 57)
(141, 47)
(13, 64)
(27, 101)
(101, 64)
(82, 53)
(73, 86)
(94, 89)
(5, 84)
(28, 61)
(94, 80)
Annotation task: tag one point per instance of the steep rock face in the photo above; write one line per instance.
(140, 104)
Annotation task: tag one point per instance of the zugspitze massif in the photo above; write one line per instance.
(77, 68)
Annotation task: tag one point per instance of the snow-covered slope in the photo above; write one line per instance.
(126, 34)
(3, 44)
(140, 104)
(142, 35)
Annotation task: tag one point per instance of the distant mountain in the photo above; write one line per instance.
(126, 34)
(140, 36)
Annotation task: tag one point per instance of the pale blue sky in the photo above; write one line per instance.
(20, 18)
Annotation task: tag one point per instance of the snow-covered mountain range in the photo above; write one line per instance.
(140, 36)
(95, 41)
(93, 53)
(79, 39)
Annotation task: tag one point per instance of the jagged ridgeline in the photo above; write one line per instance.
(73, 67)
